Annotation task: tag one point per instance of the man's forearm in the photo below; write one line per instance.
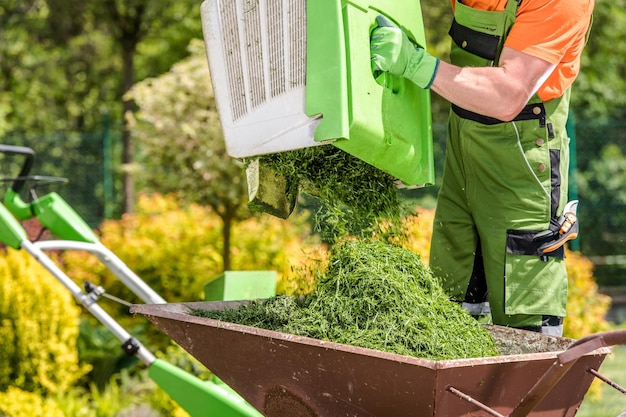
(499, 92)
(482, 90)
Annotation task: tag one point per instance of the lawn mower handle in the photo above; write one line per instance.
(29, 158)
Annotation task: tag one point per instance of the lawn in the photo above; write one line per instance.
(612, 402)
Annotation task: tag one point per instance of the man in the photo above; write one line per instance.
(500, 214)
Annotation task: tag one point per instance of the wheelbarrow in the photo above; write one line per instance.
(197, 397)
(287, 375)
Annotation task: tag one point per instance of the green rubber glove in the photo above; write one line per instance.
(392, 51)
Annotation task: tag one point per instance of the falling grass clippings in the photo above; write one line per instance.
(374, 295)
(355, 194)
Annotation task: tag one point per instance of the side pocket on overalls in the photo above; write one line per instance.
(534, 285)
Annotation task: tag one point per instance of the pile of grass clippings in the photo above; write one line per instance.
(355, 194)
(374, 295)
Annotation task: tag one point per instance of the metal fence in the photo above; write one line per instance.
(89, 162)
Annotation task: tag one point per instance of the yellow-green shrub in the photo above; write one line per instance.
(586, 307)
(170, 247)
(287, 247)
(176, 250)
(38, 327)
(18, 403)
(418, 230)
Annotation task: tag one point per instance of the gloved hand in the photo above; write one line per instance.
(392, 51)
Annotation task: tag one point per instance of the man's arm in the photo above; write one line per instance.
(500, 92)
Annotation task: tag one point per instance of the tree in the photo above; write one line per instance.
(130, 21)
(598, 91)
(57, 71)
(602, 184)
(65, 62)
(182, 147)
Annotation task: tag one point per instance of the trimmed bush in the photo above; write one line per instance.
(39, 322)
(287, 247)
(172, 248)
(18, 403)
(586, 307)
(177, 250)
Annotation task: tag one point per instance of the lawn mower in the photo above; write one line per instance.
(199, 398)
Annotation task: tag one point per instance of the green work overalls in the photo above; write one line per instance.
(502, 184)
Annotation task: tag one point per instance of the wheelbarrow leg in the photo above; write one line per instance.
(564, 362)
(607, 381)
(473, 401)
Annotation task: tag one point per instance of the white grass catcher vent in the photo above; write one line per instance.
(291, 74)
(257, 58)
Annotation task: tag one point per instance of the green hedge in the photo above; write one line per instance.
(39, 322)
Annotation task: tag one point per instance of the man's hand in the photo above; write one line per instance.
(392, 51)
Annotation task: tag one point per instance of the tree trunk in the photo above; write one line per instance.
(128, 179)
(226, 235)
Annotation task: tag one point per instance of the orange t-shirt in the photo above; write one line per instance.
(553, 30)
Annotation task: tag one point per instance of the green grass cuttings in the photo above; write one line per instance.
(373, 295)
(355, 194)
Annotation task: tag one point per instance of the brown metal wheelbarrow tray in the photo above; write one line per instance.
(284, 375)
